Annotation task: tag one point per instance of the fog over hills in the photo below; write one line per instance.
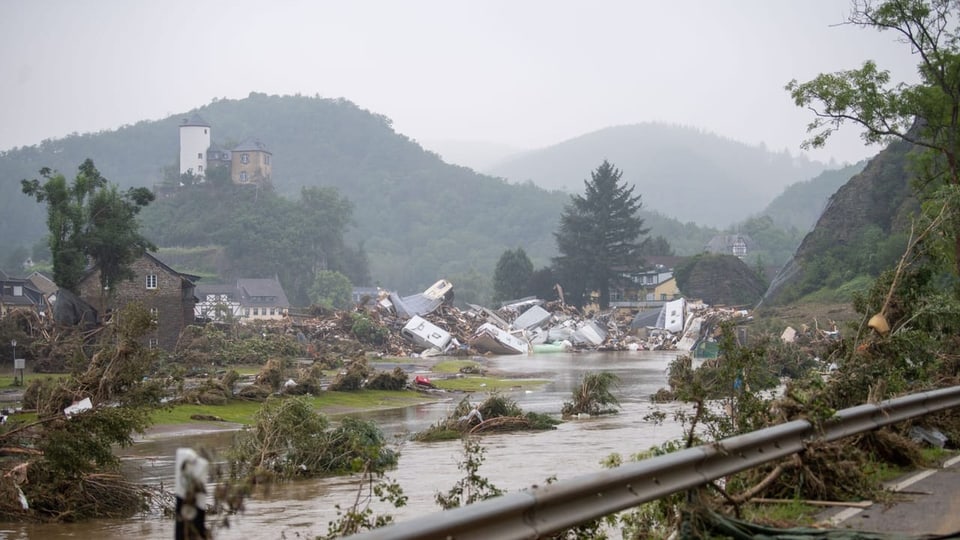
(681, 172)
(417, 216)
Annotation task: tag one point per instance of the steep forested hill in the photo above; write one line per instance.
(801, 203)
(862, 231)
(682, 172)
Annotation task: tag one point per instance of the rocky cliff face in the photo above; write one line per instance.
(849, 237)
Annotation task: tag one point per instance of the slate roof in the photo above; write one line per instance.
(724, 243)
(195, 120)
(29, 295)
(262, 292)
(252, 145)
(202, 290)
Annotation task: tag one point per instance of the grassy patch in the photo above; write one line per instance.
(454, 366)
(783, 515)
(6, 379)
(242, 411)
(936, 456)
(487, 384)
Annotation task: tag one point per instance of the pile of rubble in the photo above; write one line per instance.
(427, 324)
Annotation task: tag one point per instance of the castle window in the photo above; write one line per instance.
(244, 158)
(204, 131)
(154, 314)
(199, 155)
(153, 343)
(266, 159)
(243, 176)
(151, 281)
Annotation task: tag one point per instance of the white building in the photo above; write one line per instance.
(194, 142)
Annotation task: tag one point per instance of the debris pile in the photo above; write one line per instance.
(427, 324)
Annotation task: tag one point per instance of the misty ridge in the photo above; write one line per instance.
(417, 217)
(683, 172)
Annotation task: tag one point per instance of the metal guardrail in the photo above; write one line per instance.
(540, 511)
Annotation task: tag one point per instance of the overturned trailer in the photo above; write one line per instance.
(494, 340)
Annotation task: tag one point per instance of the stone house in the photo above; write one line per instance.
(250, 163)
(168, 294)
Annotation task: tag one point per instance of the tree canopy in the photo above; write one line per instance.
(89, 220)
(331, 290)
(925, 114)
(600, 236)
(511, 278)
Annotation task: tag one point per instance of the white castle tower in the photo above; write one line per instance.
(194, 142)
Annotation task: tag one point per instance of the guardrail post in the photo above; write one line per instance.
(190, 489)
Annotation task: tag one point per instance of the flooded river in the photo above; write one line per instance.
(513, 461)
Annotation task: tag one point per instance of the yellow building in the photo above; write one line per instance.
(667, 290)
(251, 163)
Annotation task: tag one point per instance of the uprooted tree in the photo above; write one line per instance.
(62, 467)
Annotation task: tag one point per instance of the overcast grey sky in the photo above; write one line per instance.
(522, 73)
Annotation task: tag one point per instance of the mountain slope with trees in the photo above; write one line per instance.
(416, 218)
(682, 172)
(801, 203)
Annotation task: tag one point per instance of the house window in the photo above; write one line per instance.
(151, 281)
(246, 312)
(154, 314)
(153, 343)
(244, 158)
(200, 169)
(243, 176)
(204, 131)
(199, 155)
(17, 290)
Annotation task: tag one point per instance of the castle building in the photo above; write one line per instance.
(194, 142)
(250, 162)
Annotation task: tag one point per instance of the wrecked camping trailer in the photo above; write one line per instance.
(423, 303)
(426, 334)
(491, 339)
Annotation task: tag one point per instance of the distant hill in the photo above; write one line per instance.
(801, 203)
(681, 172)
(477, 155)
(417, 218)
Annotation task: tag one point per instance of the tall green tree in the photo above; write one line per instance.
(926, 114)
(600, 236)
(331, 290)
(90, 221)
(512, 275)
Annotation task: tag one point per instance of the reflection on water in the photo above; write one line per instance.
(513, 461)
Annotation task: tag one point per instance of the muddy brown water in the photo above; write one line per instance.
(513, 461)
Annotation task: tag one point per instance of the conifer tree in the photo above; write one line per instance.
(511, 278)
(600, 236)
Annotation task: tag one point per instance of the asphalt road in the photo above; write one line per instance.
(924, 502)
